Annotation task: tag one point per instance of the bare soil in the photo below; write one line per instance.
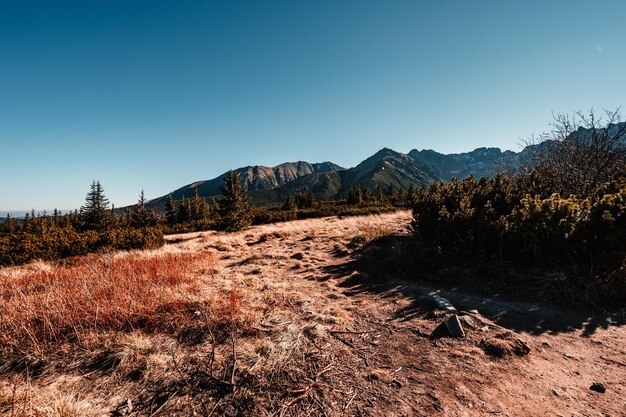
(329, 334)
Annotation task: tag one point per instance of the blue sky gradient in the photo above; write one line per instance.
(158, 94)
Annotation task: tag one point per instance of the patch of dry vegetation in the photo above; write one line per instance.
(65, 302)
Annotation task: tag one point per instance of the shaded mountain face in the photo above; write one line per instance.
(480, 162)
(256, 178)
(386, 167)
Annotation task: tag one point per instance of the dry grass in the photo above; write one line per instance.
(66, 302)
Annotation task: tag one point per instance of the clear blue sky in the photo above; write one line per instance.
(155, 95)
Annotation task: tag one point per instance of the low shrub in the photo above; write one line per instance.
(497, 220)
(57, 243)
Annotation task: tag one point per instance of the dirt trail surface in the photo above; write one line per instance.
(409, 374)
(338, 338)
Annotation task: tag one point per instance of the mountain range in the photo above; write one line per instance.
(270, 185)
(326, 180)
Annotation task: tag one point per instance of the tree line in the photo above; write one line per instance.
(98, 224)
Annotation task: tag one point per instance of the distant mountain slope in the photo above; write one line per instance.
(386, 167)
(256, 178)
(480, 162)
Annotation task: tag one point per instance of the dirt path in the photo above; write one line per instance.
(376, 326)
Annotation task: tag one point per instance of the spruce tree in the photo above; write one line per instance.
(95, 213)
(26, 226)
(380, 195)
(214, 208)
(289, 204)
(235, 210)
(141, 217)
(183, 210)
(199, 209)
(355, 195)
(411, 194)
(304, 199)
(171, 216)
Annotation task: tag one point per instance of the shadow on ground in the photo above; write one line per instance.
(372, 269)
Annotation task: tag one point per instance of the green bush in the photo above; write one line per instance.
(57, 243)
(496, 220)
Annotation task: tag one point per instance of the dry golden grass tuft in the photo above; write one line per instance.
(47, 306)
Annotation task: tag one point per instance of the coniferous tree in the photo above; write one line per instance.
(380, 195)
(56, 215)
(95, 213)
(411, 194)
(26, 226)
(183, 210)
(10, 225)
(304, 199)
(365, 194)
(235, 211)
(199, 210)
(289, 204)
(214, 211)
(141, 217)
(171, 216)
(355, 195)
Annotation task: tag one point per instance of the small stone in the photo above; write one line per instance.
(569, 356)
(449, 327)
(454, 326)
(598, 387)
(557, 392)
(524, 347)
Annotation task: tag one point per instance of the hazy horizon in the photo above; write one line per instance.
(157, 96)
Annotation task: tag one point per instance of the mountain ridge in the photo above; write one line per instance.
(327, 180)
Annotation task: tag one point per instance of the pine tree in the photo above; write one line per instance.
(26, 226)
(171, 216)
(183, 210)
(304, 199)
(214, 209)
(141, 217)
(355, 195)
(365, 194)
(411, 194)
(380, 195)
(235, 211)
(199, 209)
(289, 204)
(10, 225)
(56, 215)
(95, 213)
